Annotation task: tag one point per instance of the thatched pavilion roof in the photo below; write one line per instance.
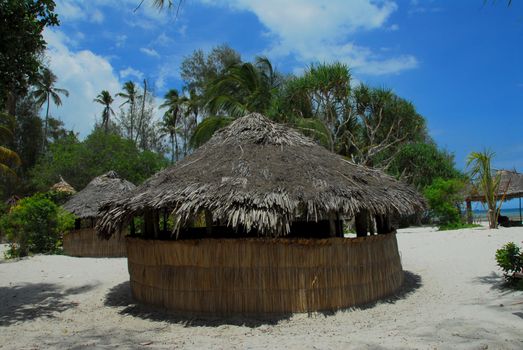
(109, 186)
(257, 174)
(511, 182)
(63, 186)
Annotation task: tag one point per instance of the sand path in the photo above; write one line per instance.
(452, 300)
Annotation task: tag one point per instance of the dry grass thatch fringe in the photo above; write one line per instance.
(107, 187)
(260, 175)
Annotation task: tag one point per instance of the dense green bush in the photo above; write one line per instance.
(444, 198)
(35, 225)
(510, 260)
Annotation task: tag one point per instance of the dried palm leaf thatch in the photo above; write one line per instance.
(109, 186)
(259, 175)
(63, 187)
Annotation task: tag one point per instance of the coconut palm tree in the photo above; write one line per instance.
(173, 103)
(486, 182)
(45, 90)
(244, 88)
(169, 127)
(130, 94)
(104, 98)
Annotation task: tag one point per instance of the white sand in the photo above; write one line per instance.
(453, 301)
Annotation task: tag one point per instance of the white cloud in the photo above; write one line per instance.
(146, 17)
(131, 72)
(314, 30)
(150, 52)
(84, 74)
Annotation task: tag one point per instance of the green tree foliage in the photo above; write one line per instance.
(199, 69)
(35, 225)
(21, 45)
(421, 163)
(444, 198)
(510, 260)
(207, 128)
(486, 182)
(79, 162)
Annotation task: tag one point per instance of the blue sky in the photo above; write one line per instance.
(459, 62)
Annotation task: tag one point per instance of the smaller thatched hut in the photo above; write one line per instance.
(63, 187)
(84, 241)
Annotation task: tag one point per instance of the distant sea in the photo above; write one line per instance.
(512, 213)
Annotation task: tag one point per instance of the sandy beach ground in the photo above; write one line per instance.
(453, 299)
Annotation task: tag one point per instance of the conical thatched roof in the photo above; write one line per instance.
(63, 187)
(109, 186)
(261, 175)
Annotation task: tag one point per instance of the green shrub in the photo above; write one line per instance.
(510, 260)
(444, 198)
(35, 225)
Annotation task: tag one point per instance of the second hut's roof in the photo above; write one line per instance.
(510, 187)
(109, 186)
(63, 186)
(257, 174)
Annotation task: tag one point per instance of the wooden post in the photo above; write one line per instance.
(165, 220)
(208, 221)
(361, 222)
(469, 211)
(332, 224)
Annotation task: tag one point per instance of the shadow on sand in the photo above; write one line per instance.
(496, 282)
(120, 296)
(29, 301)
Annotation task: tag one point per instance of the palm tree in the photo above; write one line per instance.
(244, 88)
(168, 126)
(481, 173)
(9, 159)
(173, 103)
(192, 104)
(104, 98)
(130, 94)
(45, 91)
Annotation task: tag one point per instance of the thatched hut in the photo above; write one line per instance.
(510, 187)
(272, 202)
(84, 241)
(63, 187)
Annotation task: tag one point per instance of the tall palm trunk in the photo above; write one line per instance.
(172, 147)
(46, 122)
(176, 146)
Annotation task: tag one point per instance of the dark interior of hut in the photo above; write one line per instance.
(157, 226)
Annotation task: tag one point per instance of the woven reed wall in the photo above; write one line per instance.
(85, 242)
(256, 276)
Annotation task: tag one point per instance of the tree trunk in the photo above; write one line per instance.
(46, 121)
(11, 103)
(469, 212)
(176, 146)
(172, 148)
(492, 218)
